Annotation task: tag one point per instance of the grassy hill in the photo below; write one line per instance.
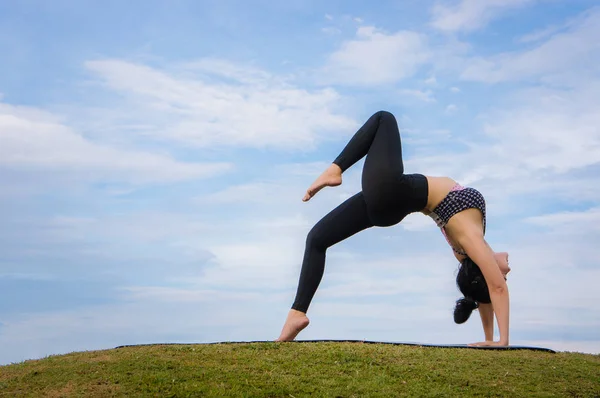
(307, 369)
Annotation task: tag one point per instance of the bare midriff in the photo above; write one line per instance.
(438, 189)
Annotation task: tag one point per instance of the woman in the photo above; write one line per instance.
(388, 195)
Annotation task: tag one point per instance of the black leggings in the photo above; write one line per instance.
(387, 196)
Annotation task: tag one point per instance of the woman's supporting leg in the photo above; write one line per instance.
(347, 219)
(344, 221)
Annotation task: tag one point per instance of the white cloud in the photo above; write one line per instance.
(331, 30)
(179, 295)
(573, 221)
(451, 108)
(150, 316)
(563, 269)
(551, 130)
(431, 81)
(28, 276)
(312, 169)
(455, 89)
(426, 96)
(297, 222)
(539, 35)
(470, 15)
(536, 135)
(549, 31)
(260, 262)
(416, 222)
(555, 60)
(144, 226)
(212, 103)
(246, 74)
(398, 55)
(33, 139)
(260, 192)
(537, 138)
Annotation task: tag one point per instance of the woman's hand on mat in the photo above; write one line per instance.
(489, 344)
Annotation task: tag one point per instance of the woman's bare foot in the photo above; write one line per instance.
(295, 322)
(330, 178)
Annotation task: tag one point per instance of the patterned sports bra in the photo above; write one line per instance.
(458, 199)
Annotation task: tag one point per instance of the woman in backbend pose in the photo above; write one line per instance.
(388, 195)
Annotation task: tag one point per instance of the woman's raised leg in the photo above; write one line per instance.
(385, 191)
(379, 140)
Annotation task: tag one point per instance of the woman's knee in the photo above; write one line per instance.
(316, 238)
(386, 115)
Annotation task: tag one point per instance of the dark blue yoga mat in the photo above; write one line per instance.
(512, 347)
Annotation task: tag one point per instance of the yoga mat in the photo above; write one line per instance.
(511, 347)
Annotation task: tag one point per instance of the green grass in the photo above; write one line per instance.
(301, 370)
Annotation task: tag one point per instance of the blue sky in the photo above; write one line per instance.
(153, 157)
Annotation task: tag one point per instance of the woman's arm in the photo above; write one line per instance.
(477, 249)
(486, 311)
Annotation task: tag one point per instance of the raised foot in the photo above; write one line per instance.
(330, 178)
(294, 324)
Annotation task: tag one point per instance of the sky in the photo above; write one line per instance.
(153, 157)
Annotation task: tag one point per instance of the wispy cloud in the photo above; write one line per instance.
(470, 15)
(553, 60)
(573, 220)
(331, 30)
(242, 107)
(538, 132)
(34, 139)
(426, 96)
(260, 192)
(432, 81)
(450, 109)
(551, 130)
(398, 55)
(546, 32)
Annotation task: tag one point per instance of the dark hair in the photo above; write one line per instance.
(471, 283)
